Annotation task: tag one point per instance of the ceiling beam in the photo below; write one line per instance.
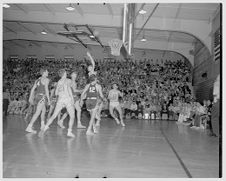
(9, 29)
(21, 24)
(94, 26)
(21, 8)
(49, 8)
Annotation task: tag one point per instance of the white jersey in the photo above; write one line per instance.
(114, 95)
(63, 89)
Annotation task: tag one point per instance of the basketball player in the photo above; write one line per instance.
(65, 99)
(76, 96)
(38, 95)
(53, 99)
(114, 103)
(100, 102)
(91, 67)
(91, 92)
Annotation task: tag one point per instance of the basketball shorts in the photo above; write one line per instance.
(114, 104)
(65, 102)
(40, 98)
(91, 103)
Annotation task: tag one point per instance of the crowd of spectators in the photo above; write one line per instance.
(149, 89)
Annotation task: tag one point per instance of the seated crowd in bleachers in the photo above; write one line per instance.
(151, 90)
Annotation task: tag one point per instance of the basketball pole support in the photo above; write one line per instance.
(128, 27)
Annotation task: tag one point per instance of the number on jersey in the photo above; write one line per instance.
(92, 89)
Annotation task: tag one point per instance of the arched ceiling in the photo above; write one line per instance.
(174, 26)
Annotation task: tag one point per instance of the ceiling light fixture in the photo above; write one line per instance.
(44, 32)
(143, 38)
(142, 11)
(70, 8)
(6, 6)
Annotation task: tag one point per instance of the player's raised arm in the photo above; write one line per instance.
(91, 59)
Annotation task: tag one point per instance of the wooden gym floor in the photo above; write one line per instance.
(143, 149)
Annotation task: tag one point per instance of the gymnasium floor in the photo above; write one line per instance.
(144, 149)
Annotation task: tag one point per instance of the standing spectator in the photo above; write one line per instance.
(133, 109)
(6, 101)
(165, 110)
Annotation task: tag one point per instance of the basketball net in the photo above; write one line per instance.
(115, 45)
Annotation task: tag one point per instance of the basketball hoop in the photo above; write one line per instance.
(115, 45)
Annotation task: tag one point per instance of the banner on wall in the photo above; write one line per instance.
(50, 57)
(13, 57)
(32, 57)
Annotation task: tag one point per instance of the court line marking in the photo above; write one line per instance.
(177, 155)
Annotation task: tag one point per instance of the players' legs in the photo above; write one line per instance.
(78, 114)
(28, 112)
(50, 111)
(57, 110)
(98, 114)
(111, 109)
(43, 114)
(60, 121)
(58, 116)
(39, 108)
(92, 121)
(119, 109)
(71, 112)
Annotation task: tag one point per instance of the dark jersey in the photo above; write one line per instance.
(40, 89)
(92, 91)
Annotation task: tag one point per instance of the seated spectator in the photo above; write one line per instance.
(153, 111)
(164, 110)
(171, 111)
(140, 111)
(13, 105)
(6, 100)
(146, 112)
(133, 108)
(127, 104)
